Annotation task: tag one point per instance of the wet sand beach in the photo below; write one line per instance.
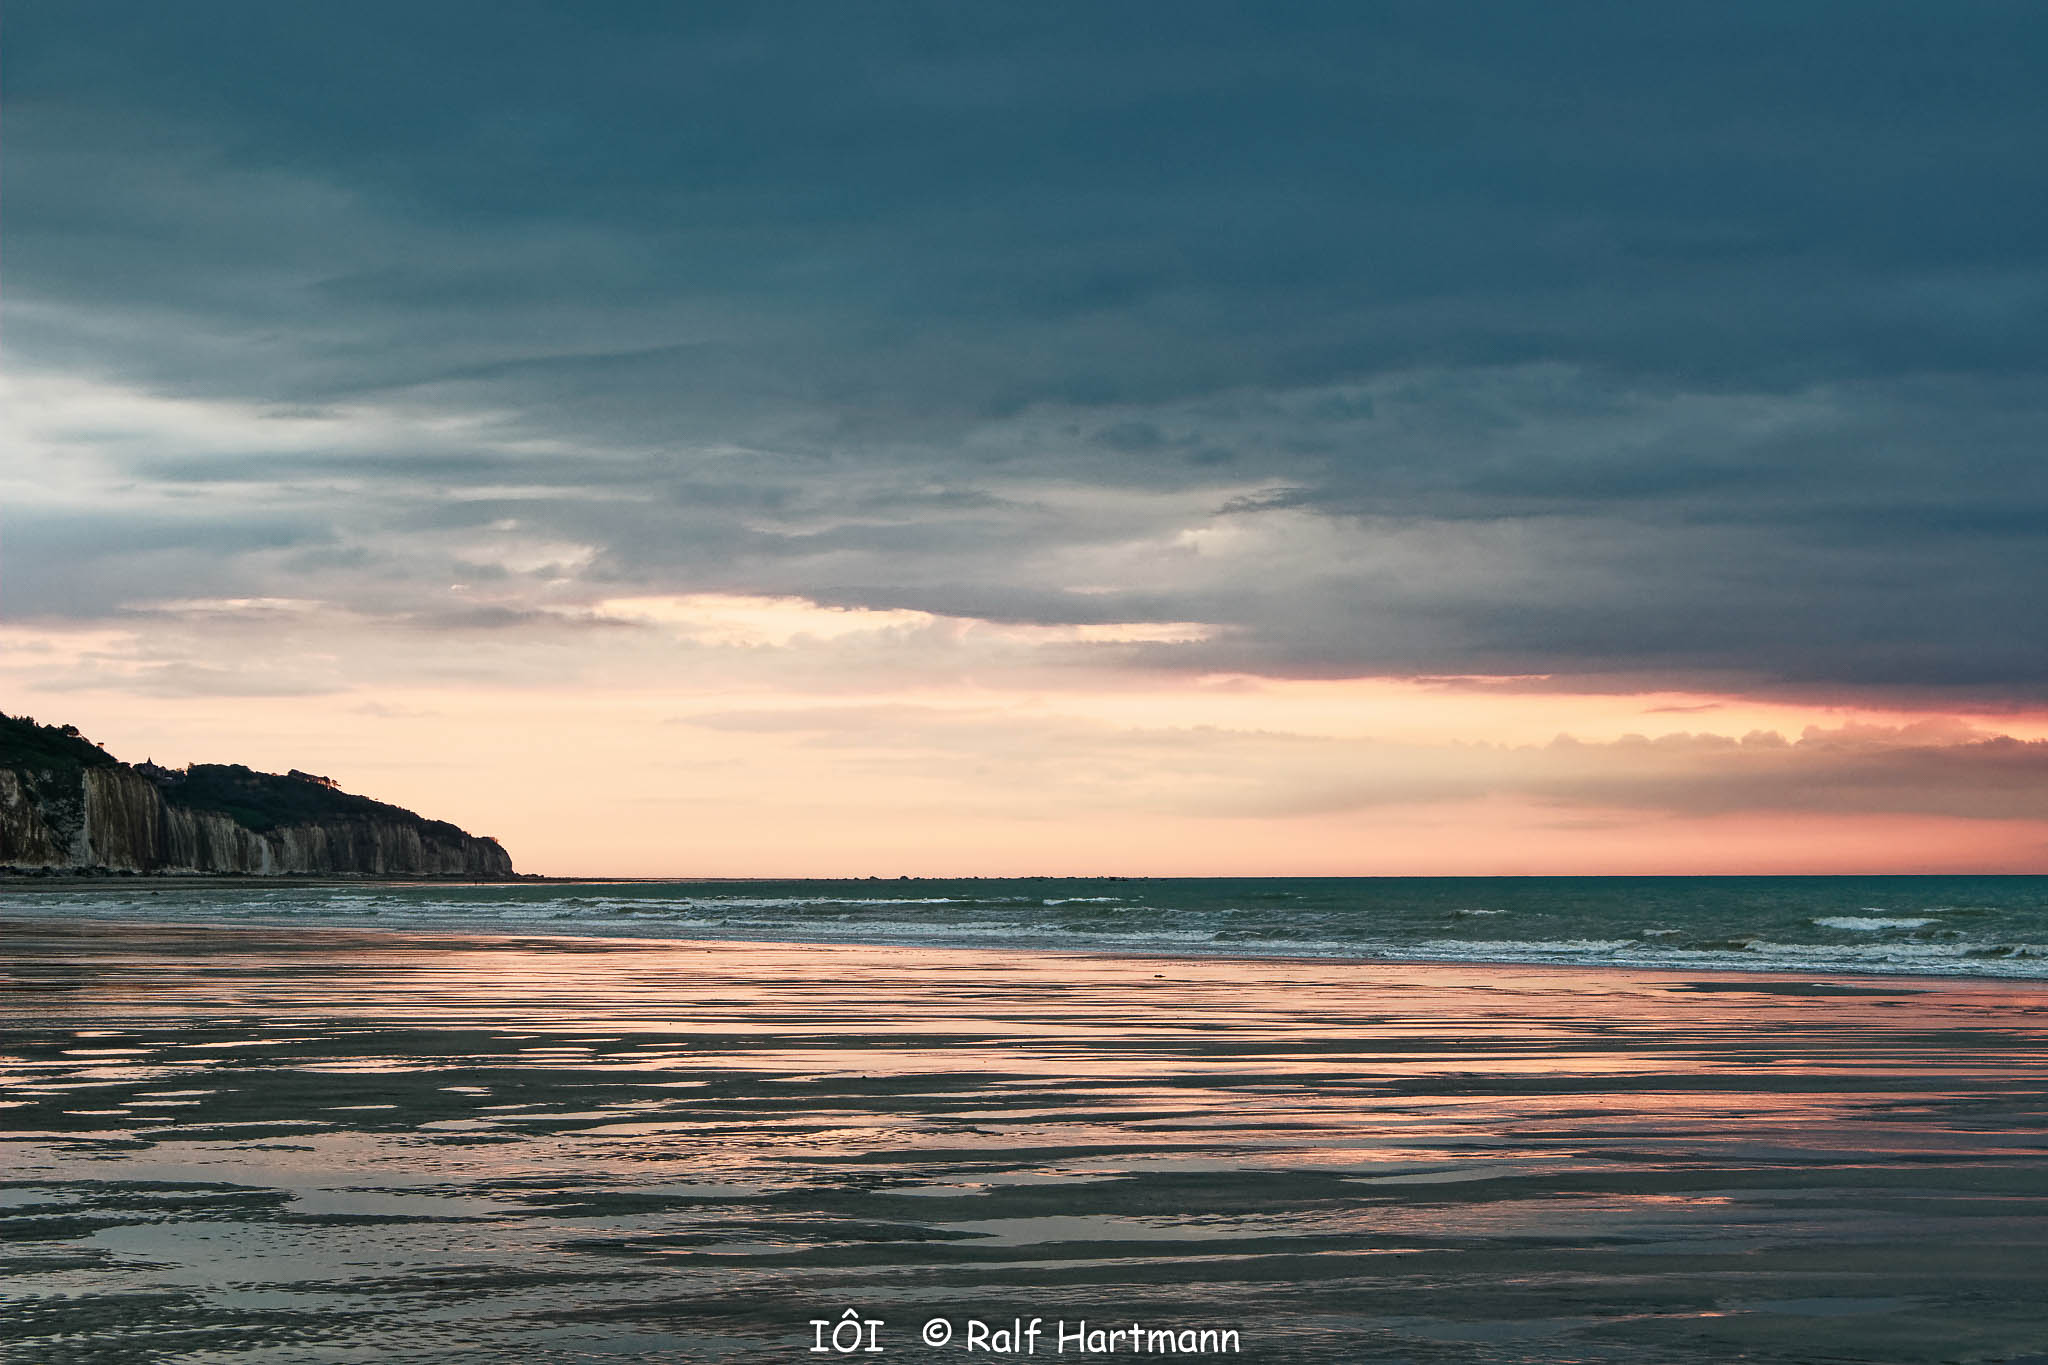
(284, 1145)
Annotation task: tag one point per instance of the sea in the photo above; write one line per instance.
(1963, 926)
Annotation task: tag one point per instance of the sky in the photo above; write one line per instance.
(815, 439)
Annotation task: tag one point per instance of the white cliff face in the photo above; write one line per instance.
(26, 838)
(124, 820)
(114, 818)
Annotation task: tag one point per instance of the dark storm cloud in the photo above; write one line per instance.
(1680, 340)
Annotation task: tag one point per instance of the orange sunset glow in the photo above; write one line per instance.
(798, 740)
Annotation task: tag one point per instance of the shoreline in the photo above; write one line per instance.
(101, 879)
(1826, 982)
(219, 881)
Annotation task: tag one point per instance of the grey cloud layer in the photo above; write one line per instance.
(1507, 339)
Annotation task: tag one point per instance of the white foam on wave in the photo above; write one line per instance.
(1516, 947)
(1873, 923)
(2023, 961)
(1015, 920)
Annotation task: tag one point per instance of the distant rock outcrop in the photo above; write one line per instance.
(66, 804)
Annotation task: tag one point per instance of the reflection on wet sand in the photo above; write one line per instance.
(338, 1146)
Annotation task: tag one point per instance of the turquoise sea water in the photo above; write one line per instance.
(1949, 926)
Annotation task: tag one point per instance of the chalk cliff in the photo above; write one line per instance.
(66, 804)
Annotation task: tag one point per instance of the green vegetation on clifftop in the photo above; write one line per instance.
(41, 748)
(265, 801)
